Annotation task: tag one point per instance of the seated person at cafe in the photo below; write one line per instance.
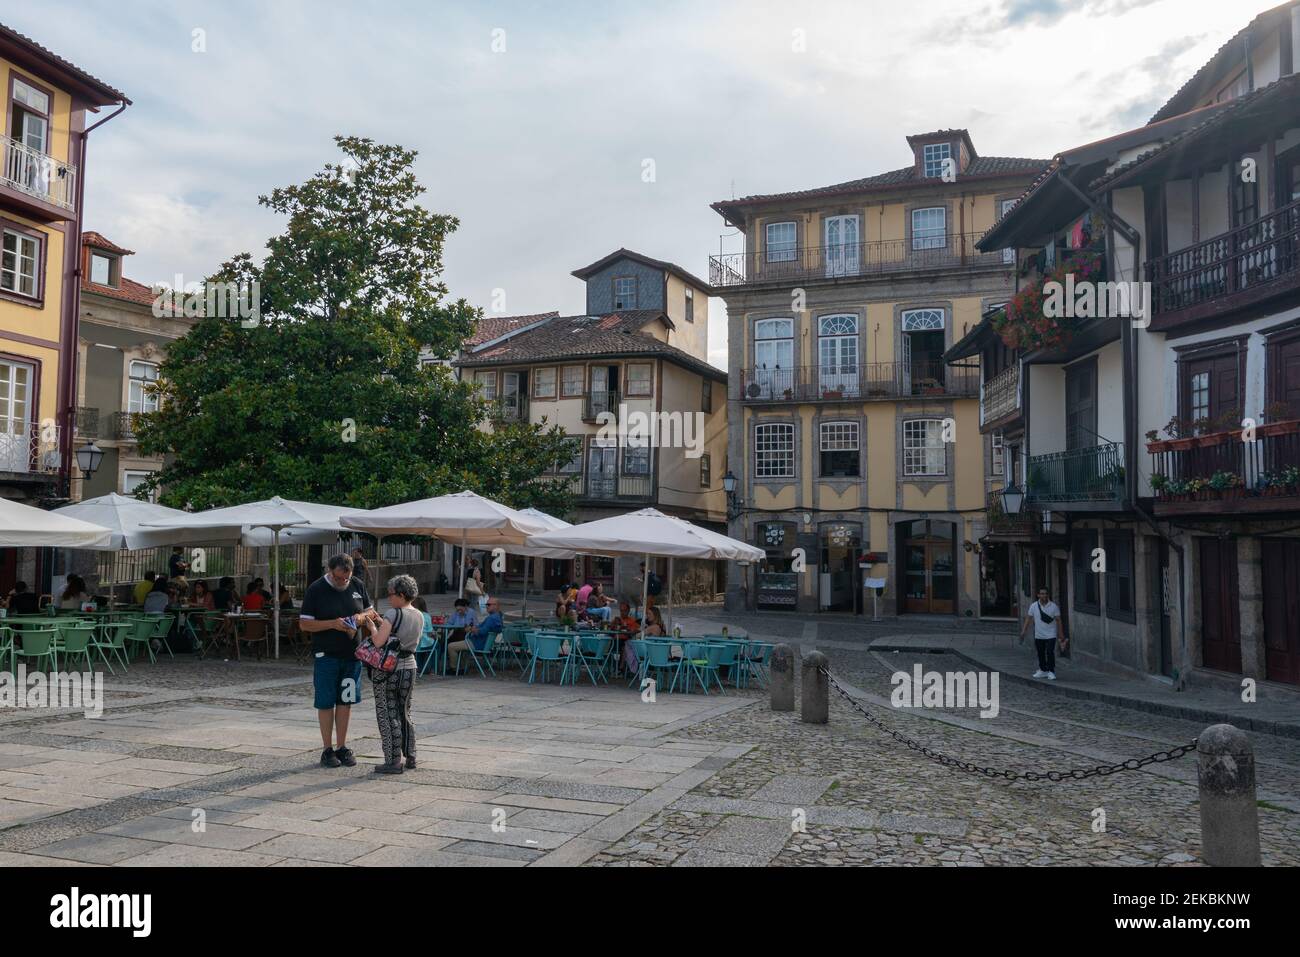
(74, 594)
(224, 597)
(143, 587)
(626, 620)
(199, 595)
(266, 592)
(22, 601)
(654, 625)
(486, 632)
(584, 594)
(568, 615)
(462, 619)
(600, 607)
(286, 598)
(254, 599)
(156, 601)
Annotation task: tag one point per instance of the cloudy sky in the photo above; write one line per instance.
(538, 145)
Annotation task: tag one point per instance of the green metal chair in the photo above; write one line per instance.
(112, 637)
(38, 643)
(142, 631)
(75, 642)
(162, 629)
(6, 647)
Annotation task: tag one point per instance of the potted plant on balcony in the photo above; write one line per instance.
(1196, 489)
(1021, 323)
(1227, 484)
(789, 393)
(1160, 485)
(832, 393)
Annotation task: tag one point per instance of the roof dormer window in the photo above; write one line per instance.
(934, 158)
(103, 269)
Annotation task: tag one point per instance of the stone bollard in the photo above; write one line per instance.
(815, 704)
(781, 684)
(1226, 778)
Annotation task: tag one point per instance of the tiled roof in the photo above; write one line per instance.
(604, 261)
(108, 93)
(492, 327)
(129, 291)
(98, 241)
(615, 335)
(981, 166)
(1197, 86)
(1286, 85)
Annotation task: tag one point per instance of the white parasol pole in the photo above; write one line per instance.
(528, 571)
(668, 621)
(275, 600)
(464, 557)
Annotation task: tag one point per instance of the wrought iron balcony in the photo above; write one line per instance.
(509, 408)
(1237, 268)
(872, 381)
(37, 174)
(126, 425)
(1000, 395)
(594, 403)
(1094, 474)
(851, 260)
(618, 488)
(29, 448)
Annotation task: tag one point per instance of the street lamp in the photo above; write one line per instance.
(88, 458)
(1012, 499)
(734, 503)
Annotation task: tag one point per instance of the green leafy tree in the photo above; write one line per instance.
(323, 397)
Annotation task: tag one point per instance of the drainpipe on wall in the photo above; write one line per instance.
(72, 312)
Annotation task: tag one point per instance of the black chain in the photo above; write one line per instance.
(1074, 774)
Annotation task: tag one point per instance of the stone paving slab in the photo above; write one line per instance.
(305, 847)
(98, 848)
(796, 789)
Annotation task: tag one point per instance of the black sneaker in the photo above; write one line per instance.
(329, 759)
(388, 769)
(410, 764)
(346, 757)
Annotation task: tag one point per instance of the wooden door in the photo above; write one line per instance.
(1220, 614)
(1281, 560)
(1284, 373)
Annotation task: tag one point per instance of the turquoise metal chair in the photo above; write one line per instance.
(658, 662)
(590, 653)
(638, 649)
(141, 634)
(701, 661)
(480, 658)
(546, 649)
(754, 662)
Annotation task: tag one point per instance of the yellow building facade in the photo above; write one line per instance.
(856, 452)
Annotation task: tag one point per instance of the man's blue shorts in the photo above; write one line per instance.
(337, 681)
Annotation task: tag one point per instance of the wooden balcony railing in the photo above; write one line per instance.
(876, 380)
(1093, 474)
(1228, 471)
(1000, 395)
(1240, 264)
(849, 260)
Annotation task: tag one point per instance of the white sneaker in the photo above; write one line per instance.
(1051, 676)
(1040, 674)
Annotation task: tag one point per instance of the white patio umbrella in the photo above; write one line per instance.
(648, 532)
(243, 522)
(22, 526)
(463, 518)
(530, 552)
(123, 515)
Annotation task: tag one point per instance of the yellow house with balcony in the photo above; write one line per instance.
(849, 439)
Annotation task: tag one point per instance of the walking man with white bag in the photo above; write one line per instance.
(1045, 616)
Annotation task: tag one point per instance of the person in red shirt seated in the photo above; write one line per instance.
(254, 600)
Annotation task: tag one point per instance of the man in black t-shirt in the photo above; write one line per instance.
(22, 601)
(333, 608)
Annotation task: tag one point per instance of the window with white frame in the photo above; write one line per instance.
(625, 292)
(781, 242)
(922, 320)
(996, 453)
(101, 269)
(930, 227)
(544, 383)
(774, 450)
(839, 450)
(485, 380)
(706, 471)
(1200, 396)
(132, 479)
(923, 447)
(640, 379)
(933, 158)
(573, 464)
(20, 267)
(139, 396)
(690, 304)
(572, 379)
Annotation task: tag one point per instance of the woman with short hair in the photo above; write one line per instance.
(393, 689)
